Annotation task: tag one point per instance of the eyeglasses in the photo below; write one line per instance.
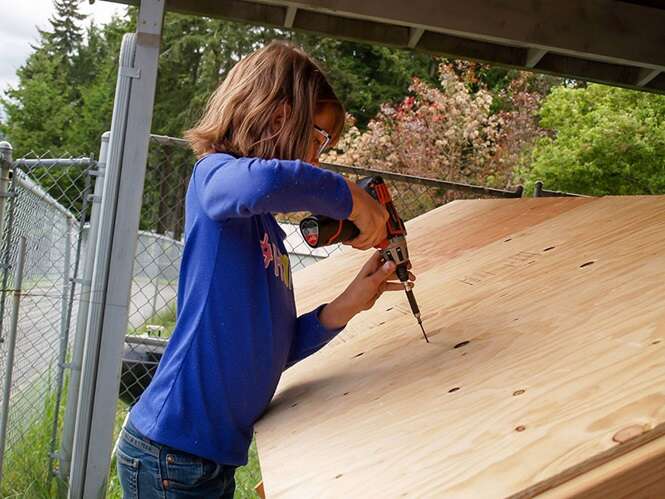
(327, 138)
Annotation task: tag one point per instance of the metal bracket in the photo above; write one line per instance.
(130, 72)
(99, 172)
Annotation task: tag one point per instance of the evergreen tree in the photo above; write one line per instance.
(66, 34)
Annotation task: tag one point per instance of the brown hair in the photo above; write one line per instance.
(239, 115)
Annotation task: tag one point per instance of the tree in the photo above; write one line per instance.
(66, 34)
(39, 111)
(451, 130)
(603, 140)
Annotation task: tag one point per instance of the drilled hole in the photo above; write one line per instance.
(586, 264)
(358, 355)
(549, 248)
(389, 309)
(520, 428)
(462, 344)
(293, 405)
(338, 476)
(453, 389)
(346, 393)
(509, 239)
(518, 392)
(655, 342)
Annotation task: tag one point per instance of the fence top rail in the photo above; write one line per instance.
(539, 191)
(157, 236)
(146, 340)
(429, 182)
(51, 162)
(165, 140)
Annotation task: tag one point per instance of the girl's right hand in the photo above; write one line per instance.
(369, 216)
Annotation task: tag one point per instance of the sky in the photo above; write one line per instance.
(18, 29)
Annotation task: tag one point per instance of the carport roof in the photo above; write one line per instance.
(610, 41)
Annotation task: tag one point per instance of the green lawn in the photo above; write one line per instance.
(26, 462)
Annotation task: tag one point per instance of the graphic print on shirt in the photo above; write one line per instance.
(280, 263)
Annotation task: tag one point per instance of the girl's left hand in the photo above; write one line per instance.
(372, 281)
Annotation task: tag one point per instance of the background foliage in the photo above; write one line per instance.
(408, 112)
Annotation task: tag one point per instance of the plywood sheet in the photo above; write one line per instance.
(433, 238)
(564, 369)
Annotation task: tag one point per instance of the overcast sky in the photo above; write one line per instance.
(18, 29)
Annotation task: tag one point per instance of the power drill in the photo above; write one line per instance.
(319, 230)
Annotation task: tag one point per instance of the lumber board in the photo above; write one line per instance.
(546, 361)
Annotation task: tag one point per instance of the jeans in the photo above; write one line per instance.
(150, 470)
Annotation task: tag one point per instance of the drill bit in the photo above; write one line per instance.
(414, 307)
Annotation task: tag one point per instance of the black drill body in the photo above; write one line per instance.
(319, 230)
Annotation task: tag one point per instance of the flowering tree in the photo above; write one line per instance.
(452, 132)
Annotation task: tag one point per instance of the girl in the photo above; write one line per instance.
(237, 330)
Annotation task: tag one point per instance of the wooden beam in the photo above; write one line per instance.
(599, 40)
(657, 84)
(352, 28)
(646, 75)
(533, 57)
(290, 16)
(584, 69)
(605, 30)
(454, 46)
(414, 36)
(236, 10)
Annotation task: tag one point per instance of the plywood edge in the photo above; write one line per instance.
(593, 475)
(638, 473)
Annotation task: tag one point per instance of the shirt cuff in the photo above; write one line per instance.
(313, 324)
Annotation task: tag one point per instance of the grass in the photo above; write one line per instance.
(26, 462)
(25, 470)
(165, 318)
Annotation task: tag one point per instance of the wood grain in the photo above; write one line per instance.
(636, 474)
(434, 238)
(561, 305)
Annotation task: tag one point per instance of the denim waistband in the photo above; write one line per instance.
(134, 437)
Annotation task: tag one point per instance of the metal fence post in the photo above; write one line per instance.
(538, 190)
(125, 178)
(69, 420)
(64, 336)
(11, 347)
(5, 167)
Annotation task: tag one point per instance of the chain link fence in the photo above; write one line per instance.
(46, 204)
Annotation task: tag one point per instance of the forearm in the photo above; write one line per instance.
(338, 312)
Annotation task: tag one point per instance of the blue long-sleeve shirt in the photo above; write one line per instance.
(236, 328)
